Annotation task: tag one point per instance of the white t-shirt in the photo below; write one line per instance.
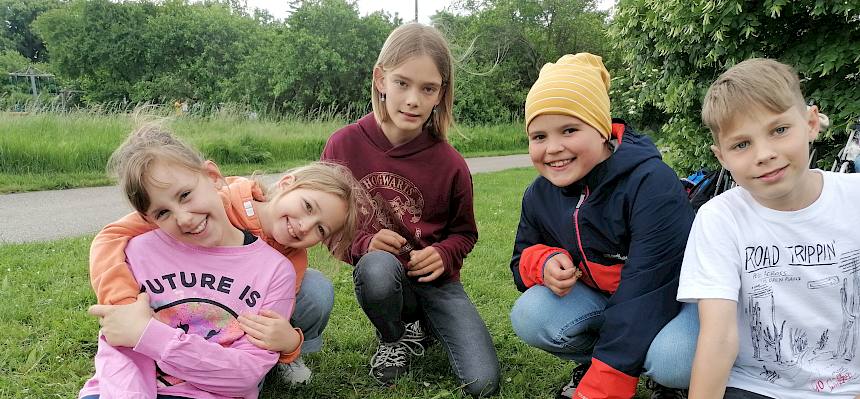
(795, 278)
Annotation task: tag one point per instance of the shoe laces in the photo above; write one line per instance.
(393, 354)
(414, 334)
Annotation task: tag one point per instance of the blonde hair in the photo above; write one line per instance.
(147, 145)
(332, 178)
(753, 85)
(414, 40)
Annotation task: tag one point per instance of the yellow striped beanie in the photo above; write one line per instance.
(576, 85)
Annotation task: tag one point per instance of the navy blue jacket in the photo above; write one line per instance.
(625, 225)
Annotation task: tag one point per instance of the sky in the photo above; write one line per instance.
(405, 8)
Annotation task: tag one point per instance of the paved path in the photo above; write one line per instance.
(48, 215)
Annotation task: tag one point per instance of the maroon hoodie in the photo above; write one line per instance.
(421, 190)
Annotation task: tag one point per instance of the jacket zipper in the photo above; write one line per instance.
(582, 198)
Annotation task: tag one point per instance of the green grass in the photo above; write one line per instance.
(53, 151)
(48, 343)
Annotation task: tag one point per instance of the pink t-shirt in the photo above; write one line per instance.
(194, 338)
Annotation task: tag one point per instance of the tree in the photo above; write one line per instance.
(674, 49)
(320, 60)
(192, 51)
(17, 16)
(99, 44)
(502, 45)
(142, 51)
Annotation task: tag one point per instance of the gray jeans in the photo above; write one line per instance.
(735, 393)
(390, 298)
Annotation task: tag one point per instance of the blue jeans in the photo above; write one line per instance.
(568, 327)
(314, 303)
(390, 298)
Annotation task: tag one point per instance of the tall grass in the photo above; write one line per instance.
(52, 150)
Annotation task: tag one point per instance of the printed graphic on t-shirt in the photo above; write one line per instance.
(792, 346)
(208, 318)
(397, 204)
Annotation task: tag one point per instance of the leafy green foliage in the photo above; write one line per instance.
(318, 61)
(17, 34)
(323, 59)
(10, 61)
(674, 49)
(502, 44)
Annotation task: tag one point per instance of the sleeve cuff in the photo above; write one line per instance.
(292, 356)
(604, 382)
(533, 260)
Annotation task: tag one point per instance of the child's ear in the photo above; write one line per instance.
(286, 181)
(378, 79)
(717, 153)
(213, 173)
(813, 122)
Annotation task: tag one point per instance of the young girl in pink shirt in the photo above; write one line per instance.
(200, 275)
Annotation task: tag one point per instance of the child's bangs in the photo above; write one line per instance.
(731, 103)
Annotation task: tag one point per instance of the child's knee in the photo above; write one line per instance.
(377, 267)
(549, 331)
(377, 276)
(525, 320)
(317, 294)
(670, 359)
(484, 384)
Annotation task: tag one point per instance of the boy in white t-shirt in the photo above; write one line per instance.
(774, 262)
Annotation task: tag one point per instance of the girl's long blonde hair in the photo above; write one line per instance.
(414, 40)
(332, 178)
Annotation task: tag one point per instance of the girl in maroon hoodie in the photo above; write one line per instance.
(411, 245)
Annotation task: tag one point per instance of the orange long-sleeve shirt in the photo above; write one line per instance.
(110, 275)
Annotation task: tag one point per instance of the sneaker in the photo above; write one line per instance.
(660, 392)
(294, 373)
(389, 361)
(566, 392)
(415, 334)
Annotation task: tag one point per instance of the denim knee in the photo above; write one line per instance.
(314, 304)
(377, 275)
(527, 323)
(317, 294)
(669, 361)
(542, 329)
(483, 385)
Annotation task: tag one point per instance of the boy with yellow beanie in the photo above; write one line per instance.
(600, 242)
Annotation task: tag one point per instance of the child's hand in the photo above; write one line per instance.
(122, 325)
(425, 262)
(388, 241)
(270, 331)
(559, 274)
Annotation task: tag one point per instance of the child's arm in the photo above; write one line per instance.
(270, 331)
(121, 373)
(110, 275)
(461, 230)
(659, 222)
(716, 348)
(229, 371)
(531, 256)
